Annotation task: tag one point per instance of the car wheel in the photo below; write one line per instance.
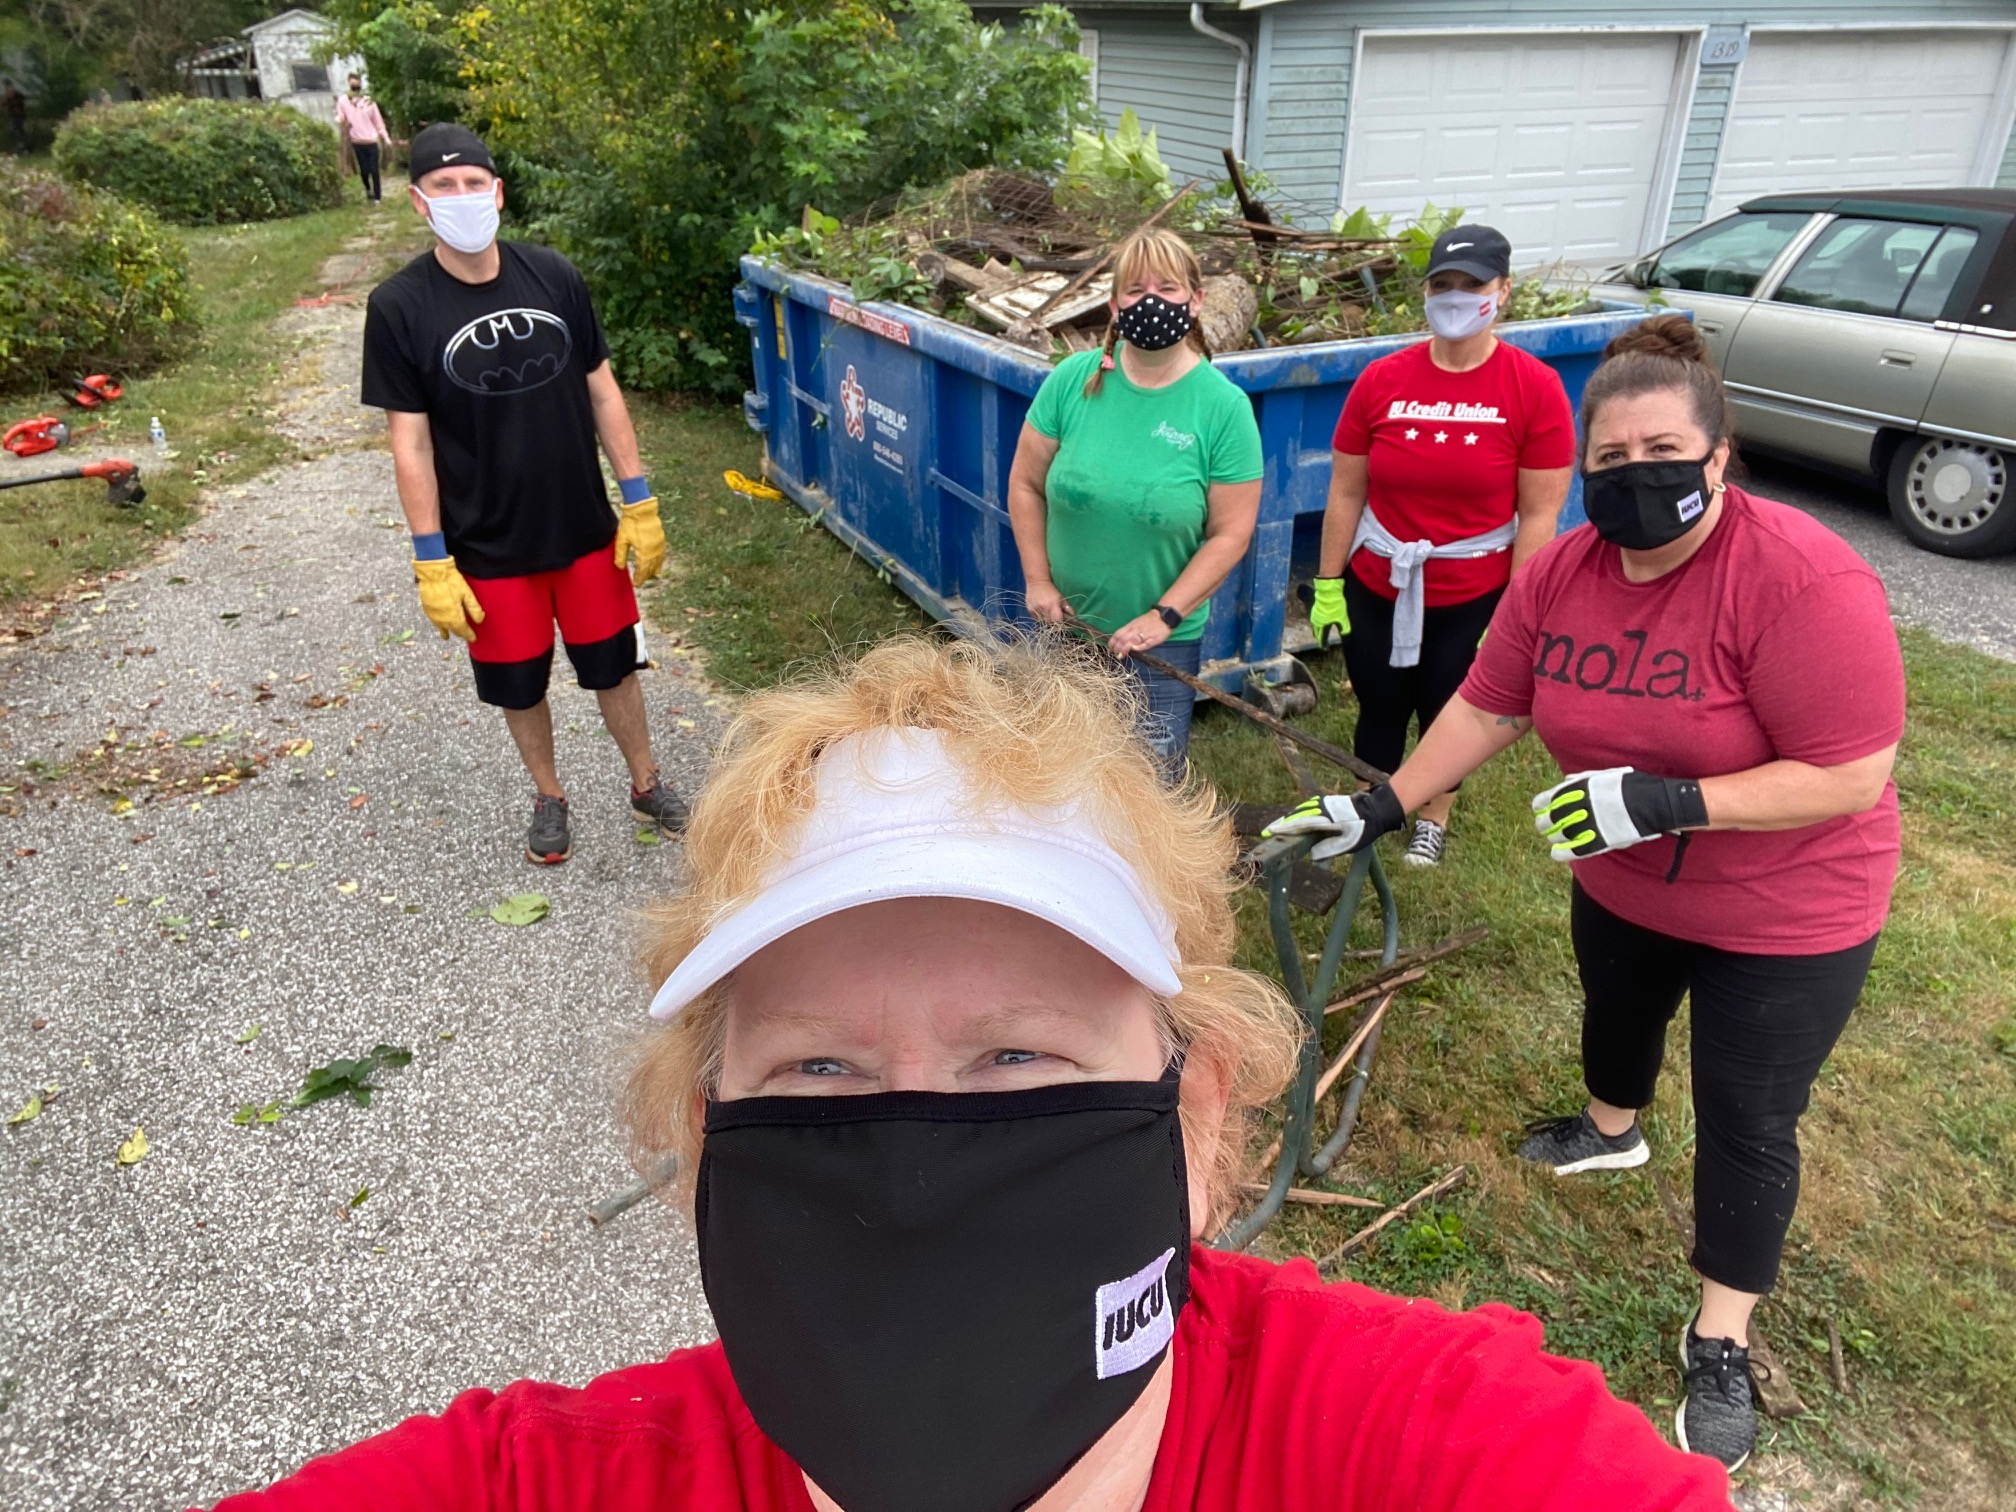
(1957, 498)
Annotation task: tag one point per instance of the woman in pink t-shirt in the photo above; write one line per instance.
(1745, 654)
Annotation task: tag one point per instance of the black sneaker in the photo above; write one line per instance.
(1719, 1416)
(548, 841)
(1575, 1144)
(660, 806)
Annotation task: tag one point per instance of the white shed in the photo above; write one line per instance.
(276, 61)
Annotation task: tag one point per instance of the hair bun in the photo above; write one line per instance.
(1663, 336)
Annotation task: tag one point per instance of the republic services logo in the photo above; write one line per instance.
(854, 405)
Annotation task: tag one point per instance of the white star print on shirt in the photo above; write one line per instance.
(1441, 436)
(1412, 433)
(1471, 439)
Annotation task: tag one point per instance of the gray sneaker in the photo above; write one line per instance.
(1430, 840)
(660, 806)
(1574, 1144)
(1719, 1416)
(548, 840)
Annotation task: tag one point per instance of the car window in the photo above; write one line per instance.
(1926, 298)
(1860, 266)
(1727, 257)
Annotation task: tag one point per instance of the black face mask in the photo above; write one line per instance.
(1642, 506)
(1152, 323)
(937, 1302)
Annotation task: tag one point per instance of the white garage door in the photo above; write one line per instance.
(1554, 140)
(1862, 110)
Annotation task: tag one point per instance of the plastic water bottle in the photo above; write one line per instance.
(158, 436)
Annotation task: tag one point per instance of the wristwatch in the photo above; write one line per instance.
(1173, 618)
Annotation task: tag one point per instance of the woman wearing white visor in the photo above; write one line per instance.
(957, 1060)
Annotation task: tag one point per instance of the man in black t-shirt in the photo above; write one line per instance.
(490, 365)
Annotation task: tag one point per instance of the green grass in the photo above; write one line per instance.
(1906, 1236)
(215, 405)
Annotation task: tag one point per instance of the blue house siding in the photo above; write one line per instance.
(1702, 146)
(1182, 83)
(1176, 80)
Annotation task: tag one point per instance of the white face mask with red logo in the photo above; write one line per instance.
(1457, 313)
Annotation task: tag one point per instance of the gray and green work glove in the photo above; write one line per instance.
(1326, 610)
(1351, 820)
(1588, 813)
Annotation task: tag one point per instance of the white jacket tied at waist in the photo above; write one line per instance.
(1405, 560)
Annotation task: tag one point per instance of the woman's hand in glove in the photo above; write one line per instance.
(1588, 813)
(1352, 820)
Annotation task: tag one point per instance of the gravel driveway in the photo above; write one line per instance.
(232, 1304)
(1969, 603)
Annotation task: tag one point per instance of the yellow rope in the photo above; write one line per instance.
(750, 486)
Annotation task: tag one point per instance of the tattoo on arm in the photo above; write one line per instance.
(1518, 722)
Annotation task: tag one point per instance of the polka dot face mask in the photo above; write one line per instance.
(1152, 323)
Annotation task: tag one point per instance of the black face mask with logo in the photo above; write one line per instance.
(1642, 506)
(1152, 323)
(937, 1302)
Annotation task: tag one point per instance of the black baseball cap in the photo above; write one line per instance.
(447, 145)
(1479, 251)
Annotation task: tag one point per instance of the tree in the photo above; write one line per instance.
(411, 51)
(140, 40)
(652, 141)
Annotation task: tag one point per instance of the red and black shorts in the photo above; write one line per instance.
(513, 650)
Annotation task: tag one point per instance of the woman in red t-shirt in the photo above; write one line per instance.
(1745, 654)
(956, 1055)
(1448, 470)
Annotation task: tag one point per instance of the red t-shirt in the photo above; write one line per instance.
(1443, 453)
(1773, 642)
(1287, 1394)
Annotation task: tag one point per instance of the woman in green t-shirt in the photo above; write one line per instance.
(1137, 481)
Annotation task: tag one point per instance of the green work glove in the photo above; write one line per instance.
(1588, 813)
(1328, 611)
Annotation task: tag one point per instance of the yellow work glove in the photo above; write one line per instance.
(638, 530)
(1326, 610)
(446, 598)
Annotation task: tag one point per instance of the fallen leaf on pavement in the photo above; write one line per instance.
(647, 834)
(360, 800)
(248, 1035)
(521, 909)
(346, 887)
(135, 1149)
(31, 1109)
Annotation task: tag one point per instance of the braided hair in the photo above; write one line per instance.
(1160, 252)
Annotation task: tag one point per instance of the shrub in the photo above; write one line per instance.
(88, 283)
(204, 162)
(728, 119)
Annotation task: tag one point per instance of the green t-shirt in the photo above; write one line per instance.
(1128, 491)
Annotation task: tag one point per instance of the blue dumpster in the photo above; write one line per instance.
(896, 428)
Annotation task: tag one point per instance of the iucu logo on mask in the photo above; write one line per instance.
(1132, 1320)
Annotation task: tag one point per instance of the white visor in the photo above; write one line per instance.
(893, 817)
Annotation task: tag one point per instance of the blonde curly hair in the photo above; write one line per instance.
(1032, 722)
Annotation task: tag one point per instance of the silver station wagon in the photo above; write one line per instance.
(1870, 334)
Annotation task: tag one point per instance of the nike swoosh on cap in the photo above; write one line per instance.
(1458, 246)
(449, 157)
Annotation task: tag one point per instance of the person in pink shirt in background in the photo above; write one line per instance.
(358, 119)
(1719, 676)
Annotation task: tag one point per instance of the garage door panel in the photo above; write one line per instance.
(1865, 110)
(1530, 133)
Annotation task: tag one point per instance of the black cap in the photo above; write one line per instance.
(446, 145)
(1477, 250)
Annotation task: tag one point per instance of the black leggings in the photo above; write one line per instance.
(366, 154)
(1390, 697)
(1762, 1026)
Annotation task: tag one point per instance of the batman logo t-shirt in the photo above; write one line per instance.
(500, 369)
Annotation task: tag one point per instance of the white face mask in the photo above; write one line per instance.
(1457, 313)
(466, 222)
